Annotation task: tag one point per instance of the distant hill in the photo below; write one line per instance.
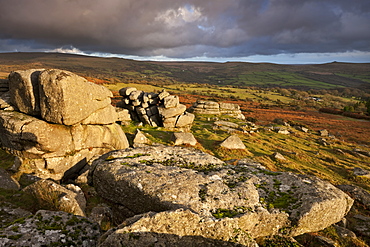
(111, 70)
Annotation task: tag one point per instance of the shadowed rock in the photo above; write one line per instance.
(24, 90)
(59, 197)
(7, 182)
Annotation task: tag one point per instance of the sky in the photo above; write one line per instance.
(277, 31)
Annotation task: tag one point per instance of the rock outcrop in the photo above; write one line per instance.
(155, 109)
(221, 201)
(214, 108)
(48, 228)
(62, 121)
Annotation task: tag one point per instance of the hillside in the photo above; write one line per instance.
(110, 70)
(340, 157)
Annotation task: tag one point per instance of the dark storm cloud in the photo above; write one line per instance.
(178, 28)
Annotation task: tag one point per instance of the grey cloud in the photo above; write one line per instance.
(177, 28)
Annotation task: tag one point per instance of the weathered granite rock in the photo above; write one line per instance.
(214, 108)
(171, 112)
(171, 101)
(140, 138)
(52, 149)
(229, 127)
(123, 116)
(5, 101)
(126, 91)
(169, 122)
(301, 128)
(360, 224)
(227, 124)
(205, 107)
(358, 171)
(283, 130)
(163, 94)
(233, 142)
(49, 228)
(24, 90)
(58, 197)
(185, 120)
(231, 109)
(30, 137)
(323, 132)
(66, 98)
(136, 95)
(11, 213)
(357, 193)
(157, 110)
(182, 138)
(158, 229)
(8, 182)
(278, 156)
(106, 115)
(255, 200)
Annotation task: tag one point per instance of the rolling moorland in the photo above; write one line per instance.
(268, 94)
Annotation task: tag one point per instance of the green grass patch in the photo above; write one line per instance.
(6, 159)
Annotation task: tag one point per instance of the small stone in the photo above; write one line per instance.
(278, 156)
(233, 142)
(323, 132)
(282, 131)
(184, 138)
(140, 138)
(301, 128)
(357, 171)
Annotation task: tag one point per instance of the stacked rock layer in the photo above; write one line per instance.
(155, 109)
(214, 108)
(62, 120)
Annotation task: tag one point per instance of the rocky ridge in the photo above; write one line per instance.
(154, 109)
(214, 108)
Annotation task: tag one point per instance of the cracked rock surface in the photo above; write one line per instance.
(222, 197)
